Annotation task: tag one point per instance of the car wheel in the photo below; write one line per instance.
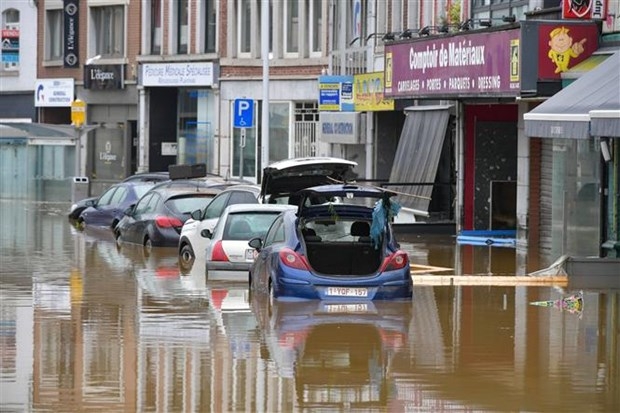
(80, 223)
(148, 246)
(186, 257)
(114, 224)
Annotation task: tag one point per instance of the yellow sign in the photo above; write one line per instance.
(78, 112)
(368, 93)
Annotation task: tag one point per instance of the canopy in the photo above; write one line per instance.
(567, 113)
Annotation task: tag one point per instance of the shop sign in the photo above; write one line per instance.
(336, 93)
(464, 65)
(368, 93)
(104, 77)
(71, 33)
(552, 47)
(10, 49)
(584, 9)
(53, 92)
(188, 74)
(342, 128)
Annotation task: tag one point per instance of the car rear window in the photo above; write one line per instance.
(187, 204)
(143, 188)
(245, 226)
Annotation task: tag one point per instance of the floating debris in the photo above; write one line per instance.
(572, 304)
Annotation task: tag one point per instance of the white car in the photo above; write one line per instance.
(228, 255)
(279, 181)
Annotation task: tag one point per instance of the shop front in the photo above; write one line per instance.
(578, 131)
(462, 130)
(178, 106)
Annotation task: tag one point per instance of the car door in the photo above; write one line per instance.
(263, 265)
(96, 214)
(130, 227)
(146, 215)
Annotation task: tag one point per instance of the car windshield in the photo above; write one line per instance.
(186, 204)
(247, 225)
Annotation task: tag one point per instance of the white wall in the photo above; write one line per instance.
(25, 77)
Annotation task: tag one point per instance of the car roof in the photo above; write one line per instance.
(169, 192)
(235, 208)
(240, 187)
(291, 175)
(148, 176)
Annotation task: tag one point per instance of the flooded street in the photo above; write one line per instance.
(87, 326)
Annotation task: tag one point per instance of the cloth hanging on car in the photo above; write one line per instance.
(383, 212)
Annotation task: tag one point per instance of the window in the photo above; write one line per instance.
(106, 198)
(142, 205)
(315, 26)
(209, 9)
(215, 208)
(182, 30)
(108, 33)
(156, 27)
(53, 34)
(244, 27)
(119, 196)
(10, 40)
(291, 28)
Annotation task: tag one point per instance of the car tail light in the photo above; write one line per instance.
(395, 261)
(291, 259)
(218, 253)
(163, 221)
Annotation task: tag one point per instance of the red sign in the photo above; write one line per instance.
(10, 33)
(584, 9)
(562, 46)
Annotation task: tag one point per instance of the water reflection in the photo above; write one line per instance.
(338, 355)
(87, 326)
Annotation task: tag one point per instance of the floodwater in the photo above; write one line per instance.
(86, 326)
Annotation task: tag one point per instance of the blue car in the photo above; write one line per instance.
(341, 250)
(109, 208)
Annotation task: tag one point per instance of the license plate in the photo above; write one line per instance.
(347, 292)
(346, 308)
(249, 254)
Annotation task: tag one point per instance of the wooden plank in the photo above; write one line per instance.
(489, 280)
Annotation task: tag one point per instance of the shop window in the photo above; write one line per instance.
(108, 33)
(10, 40)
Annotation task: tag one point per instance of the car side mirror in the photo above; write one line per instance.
(196, 215)
(256, 243)
(206, 233)
(129, 210)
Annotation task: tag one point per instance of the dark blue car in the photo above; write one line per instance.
(341, 250)
(108, 209)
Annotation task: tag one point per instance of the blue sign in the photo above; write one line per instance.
(243, 116)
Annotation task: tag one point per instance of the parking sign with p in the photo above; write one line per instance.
(243, 116)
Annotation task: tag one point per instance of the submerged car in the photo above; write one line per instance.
(192, 241)
(107, 210)
(280, 181)
(227, 253)
(156, 220)
(79, 206)
(333, 251)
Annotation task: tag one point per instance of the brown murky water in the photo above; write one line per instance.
(85, 326)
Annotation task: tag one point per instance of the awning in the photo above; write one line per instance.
(605, 122)
(567, 113)
(45, 133)
(417, 156)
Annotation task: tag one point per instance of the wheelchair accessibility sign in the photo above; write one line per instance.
(243, 116)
